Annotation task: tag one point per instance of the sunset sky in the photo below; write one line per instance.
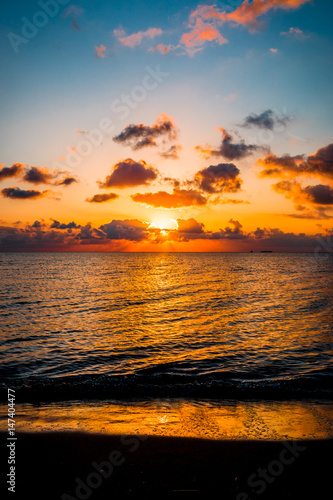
(166, 126)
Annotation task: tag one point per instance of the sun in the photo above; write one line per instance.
(164, 223)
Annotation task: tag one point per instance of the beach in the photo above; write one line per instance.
(172, 449)
(52, 465)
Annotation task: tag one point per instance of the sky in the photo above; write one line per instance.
(166, 126)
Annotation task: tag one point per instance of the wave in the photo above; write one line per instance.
(148, 385)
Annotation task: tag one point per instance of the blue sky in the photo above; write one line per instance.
(53, 85)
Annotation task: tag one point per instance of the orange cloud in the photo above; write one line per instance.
(320, 164)
(103, 197)
(99, 51)
(161, 48)
(178, 198)
(319, 194)
(247, 13)
(201, 33)
(136, 38)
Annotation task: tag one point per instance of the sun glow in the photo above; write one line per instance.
(164, 223)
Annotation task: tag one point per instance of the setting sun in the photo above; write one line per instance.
(164, 223)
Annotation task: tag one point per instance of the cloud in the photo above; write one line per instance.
(247, 13)
(116, 235)
(220, 178)
(274, 51)
(318, 213)
(224, 201)
(319, 194)
(295, 33)
(8, 172)
(99, 51)
(200, 33)
(172, 153)
(190, 226)
(228, 149)
(230, 233)
(16, 193)
(266, 120)
(188, 229)
(67, 181)
(103, 197)
(178, 198)
(139, 136)
(132, 230)
(73, 11)
(136, 38)
(42, 175)
(38, 175)
(161, 48)
(58, 225)
(129, 173)
(230, 98)
(320, 164)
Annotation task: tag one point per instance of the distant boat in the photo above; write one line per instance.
(266, 251)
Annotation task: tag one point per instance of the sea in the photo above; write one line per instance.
(136, 328)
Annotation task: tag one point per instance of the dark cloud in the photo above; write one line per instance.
(14, 171)
(139, 136)
(266, 120)
(129, 173)
(38, 175)
(103, 197)
(131, 230)
(190, 226)
(178, 198)
(220, 178)
(172, 153)
(37, 223)
(319, 194)
(22, 194)
(230, 233)
(67, 181)
(320, 164)
(42, 175)
(115, 234)
(228, 149)
(58, 225)
(318, 213)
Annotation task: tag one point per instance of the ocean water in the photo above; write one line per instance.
(166, 325)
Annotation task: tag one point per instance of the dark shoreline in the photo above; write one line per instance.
(48, 464)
